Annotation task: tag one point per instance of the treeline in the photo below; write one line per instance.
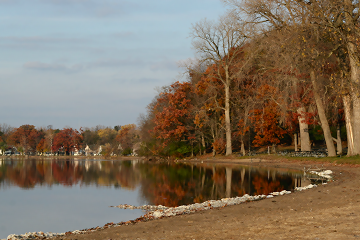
(100, 140)
(265, 72)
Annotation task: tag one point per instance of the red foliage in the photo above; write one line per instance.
(68, 139)
(219, 145)
(26, 136)
(41, 146)
(266, 120)
(242, 128)
(126, 136)
(173, 112)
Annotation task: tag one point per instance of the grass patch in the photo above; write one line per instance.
(354, 160)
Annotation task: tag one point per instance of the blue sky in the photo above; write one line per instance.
(91, 62)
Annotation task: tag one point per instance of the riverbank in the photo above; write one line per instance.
(329, 211)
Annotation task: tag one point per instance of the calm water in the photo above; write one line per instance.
(63, 195)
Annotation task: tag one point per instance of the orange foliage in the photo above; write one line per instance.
(266, 119)
(26, 136)
(126, 136)
(68, 139)
(173, 112)
(41, 146)
(242, 128)
(219, 145)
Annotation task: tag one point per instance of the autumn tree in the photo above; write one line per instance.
(106, 135)
(41, 148)
(220, 43)
(49, 138)
(173, 119)
(204, 125)
(90, 137)
(68, 139)
(27, 137)
(209, 115)
(127, 137)
(341, 20)
(308, 46)
(266, 118)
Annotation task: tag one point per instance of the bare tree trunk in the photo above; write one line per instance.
(338, 140)
(213, 135)
(349, 128)
(339, 144)
(295, 142)
(304, 131)
(242, 148)
(227, 114)
(352, 24)
(192, 148)
(323, 120)
(273, 149)
(356, 123)
(355, 77)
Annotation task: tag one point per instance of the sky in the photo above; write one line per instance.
(83, 63)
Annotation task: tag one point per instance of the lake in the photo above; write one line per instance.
(58, 195)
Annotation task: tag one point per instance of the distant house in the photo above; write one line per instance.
(99, 151)
(120, 147)
(88, 151)
(136, 148)
(77, 152)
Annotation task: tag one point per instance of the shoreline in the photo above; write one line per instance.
(122, 228)
(71, 157)
(303, 212)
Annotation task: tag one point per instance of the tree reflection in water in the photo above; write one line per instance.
(160, 184)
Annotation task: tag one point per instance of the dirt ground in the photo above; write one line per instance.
(329, 211)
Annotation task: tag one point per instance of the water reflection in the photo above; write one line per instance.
(165, 184)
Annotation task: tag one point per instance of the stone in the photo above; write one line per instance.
(157, 214)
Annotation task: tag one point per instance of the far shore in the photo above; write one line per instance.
(232, 159)
(71, 157)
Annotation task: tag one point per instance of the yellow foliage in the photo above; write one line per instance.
(128, 126)
(106, 132)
